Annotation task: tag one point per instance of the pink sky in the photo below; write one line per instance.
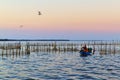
(59, 17)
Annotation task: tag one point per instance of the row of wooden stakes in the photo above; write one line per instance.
(27, 47)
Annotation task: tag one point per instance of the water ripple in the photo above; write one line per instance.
(61, 66)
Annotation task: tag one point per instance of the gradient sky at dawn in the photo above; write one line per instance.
(66, 19)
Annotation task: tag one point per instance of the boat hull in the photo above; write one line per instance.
(85, 53)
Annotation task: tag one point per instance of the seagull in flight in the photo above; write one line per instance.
(39, 13)
(21, 26)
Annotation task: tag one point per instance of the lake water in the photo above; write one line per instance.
(59, 66)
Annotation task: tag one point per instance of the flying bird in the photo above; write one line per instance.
(21, 26)
(39, 13)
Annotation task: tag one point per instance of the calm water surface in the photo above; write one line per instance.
(60, 66)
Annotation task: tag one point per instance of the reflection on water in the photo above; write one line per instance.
(60, 66)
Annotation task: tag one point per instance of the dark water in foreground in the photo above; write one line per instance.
(60, 66)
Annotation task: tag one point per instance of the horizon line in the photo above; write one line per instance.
(51, 40)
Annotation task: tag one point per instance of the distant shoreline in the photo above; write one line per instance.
(49, 40)
(34, 40)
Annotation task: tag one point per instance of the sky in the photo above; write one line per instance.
(60, 19)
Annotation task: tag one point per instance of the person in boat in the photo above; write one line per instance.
(90, 50)
(84, 49)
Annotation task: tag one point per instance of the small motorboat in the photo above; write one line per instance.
(84, 54)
